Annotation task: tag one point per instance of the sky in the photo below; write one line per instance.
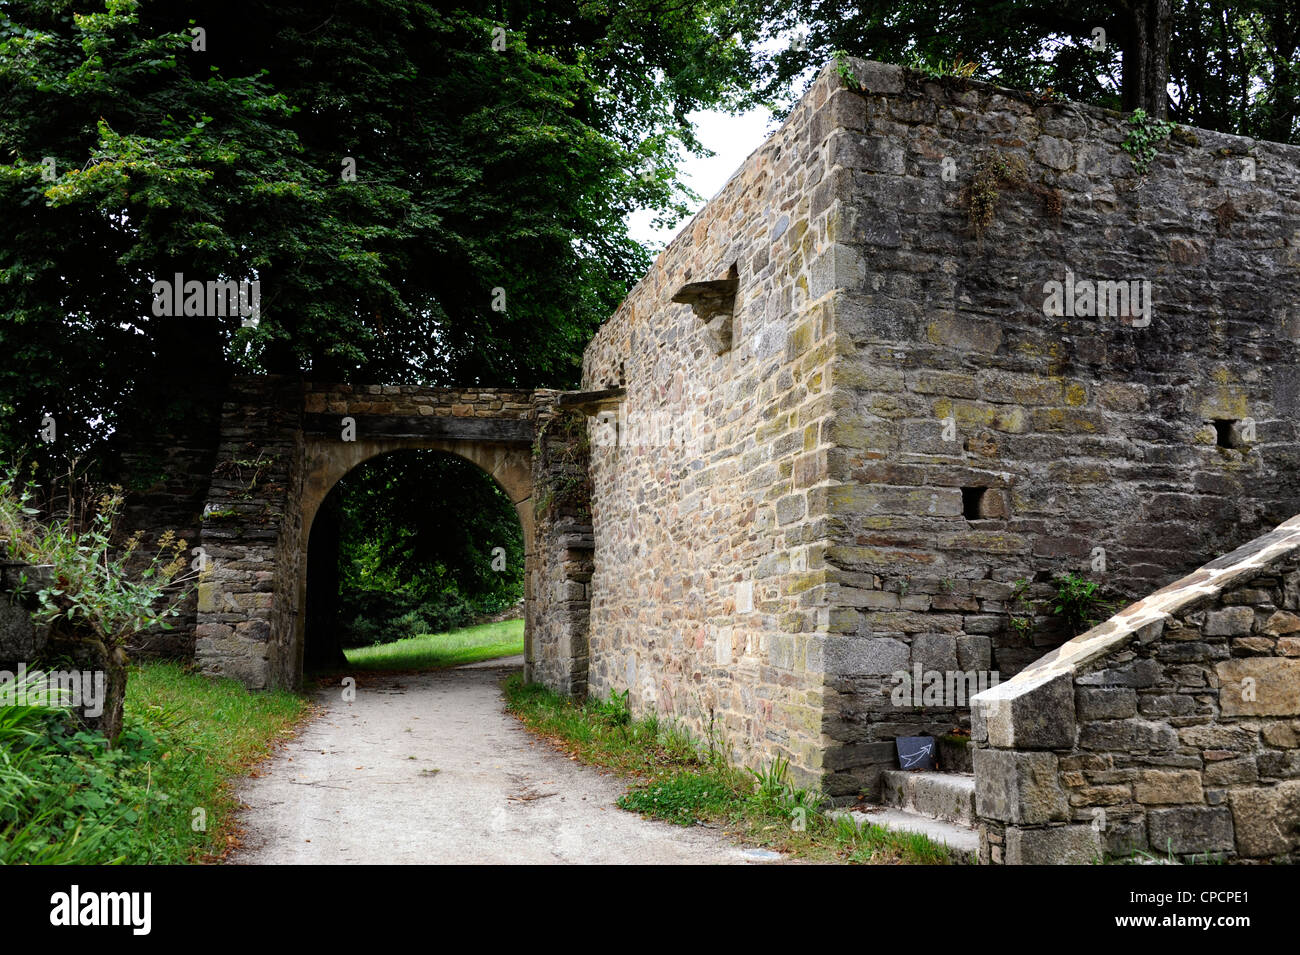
(732, 138)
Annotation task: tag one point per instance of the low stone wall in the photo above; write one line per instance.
(1173, 728)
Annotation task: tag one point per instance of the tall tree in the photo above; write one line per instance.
(1225, 66)
(424, 193)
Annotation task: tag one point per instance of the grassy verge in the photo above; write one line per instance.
(161, 796)
(677, 780)
(433, 651)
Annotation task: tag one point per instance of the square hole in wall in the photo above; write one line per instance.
(971, 498)
(1223, 430)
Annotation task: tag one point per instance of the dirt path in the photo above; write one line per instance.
(429, 769)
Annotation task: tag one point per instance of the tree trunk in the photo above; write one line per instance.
(1146, 57)
(83, 652)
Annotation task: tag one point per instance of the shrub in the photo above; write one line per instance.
(93, 594)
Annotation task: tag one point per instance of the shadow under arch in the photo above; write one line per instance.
(327, 462)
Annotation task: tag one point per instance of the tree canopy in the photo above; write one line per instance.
(424, 194)
(1233, 67)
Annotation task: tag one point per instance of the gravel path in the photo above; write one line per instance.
(429, 768)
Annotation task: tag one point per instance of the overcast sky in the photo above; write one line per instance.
(732, 139)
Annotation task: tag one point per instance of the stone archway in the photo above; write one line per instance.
(284, 445)
(328, 461)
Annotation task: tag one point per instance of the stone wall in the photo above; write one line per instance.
(241, 596)
(558, 585)
(1171, 729)
(709, 503)
(891, 425)
(981, 436)
(164, 466)
(21, 639)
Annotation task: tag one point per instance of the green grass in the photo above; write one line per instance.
(676, 779)
(66, 798)
(433, 651)
(215, 730)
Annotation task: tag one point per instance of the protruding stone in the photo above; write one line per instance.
(1018, 787)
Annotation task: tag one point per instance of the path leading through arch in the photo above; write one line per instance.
(429, 768)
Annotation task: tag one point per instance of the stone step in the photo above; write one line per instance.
(946, 796)
(962, 840)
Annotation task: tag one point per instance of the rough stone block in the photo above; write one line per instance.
(1017, 787)
(1184, 831)
(1105, 703)
(935, 651)
(1267, 821)
(1233, 622)
(1054, 845)
(1138, 674)
(1132, 735)
(848, 655)
(1259, 686)
(1040, 718)
(974, 652)
(1161, 787)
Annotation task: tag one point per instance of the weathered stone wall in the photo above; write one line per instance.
(708, 599)
(980, 439)
(164, 468)
(902, 427)
(21, 639)
(1173, 728)
(1078, 440)
(241, 596)
(558, 585)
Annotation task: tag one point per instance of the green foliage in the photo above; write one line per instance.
(1020, 609)
(1232, 68)
(87, 579)
(476, 170)
(1144, 139)
(844, 70)
(418, 535)
(616, 711)
(1078, 602)
(682, 798)
(66, 798)
(937, 67)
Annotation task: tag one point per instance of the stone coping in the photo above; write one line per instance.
(1148, 614)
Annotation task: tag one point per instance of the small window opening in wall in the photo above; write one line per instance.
(971, 498)
(1223, 429)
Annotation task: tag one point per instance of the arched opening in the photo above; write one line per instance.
(407, 544)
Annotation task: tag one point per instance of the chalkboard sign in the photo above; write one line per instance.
(915, 752)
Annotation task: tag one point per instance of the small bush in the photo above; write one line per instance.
(1078, 603)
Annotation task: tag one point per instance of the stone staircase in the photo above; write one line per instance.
(936, 804)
